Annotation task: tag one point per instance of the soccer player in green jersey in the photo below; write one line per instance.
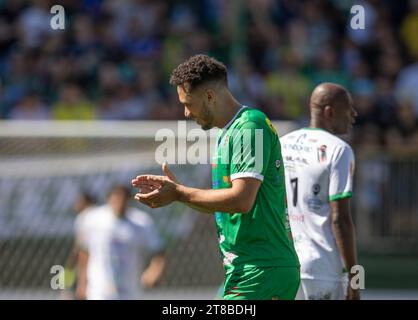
(248, 195)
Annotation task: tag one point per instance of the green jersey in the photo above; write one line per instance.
(249, 147)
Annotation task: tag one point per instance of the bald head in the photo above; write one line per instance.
(329, 94)
(331, 108)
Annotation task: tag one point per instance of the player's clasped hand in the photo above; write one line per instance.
(154, 190)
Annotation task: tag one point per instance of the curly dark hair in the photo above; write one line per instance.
(197, 70)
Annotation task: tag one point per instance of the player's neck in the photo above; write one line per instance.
(228, 109)
(320, 124)
(120, 213)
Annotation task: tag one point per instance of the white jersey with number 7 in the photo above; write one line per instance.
(318, 169)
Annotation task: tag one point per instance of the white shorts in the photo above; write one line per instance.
(311, 289)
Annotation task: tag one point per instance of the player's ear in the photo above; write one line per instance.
(328, 112)
(210, 95)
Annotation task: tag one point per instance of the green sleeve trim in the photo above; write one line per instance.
(339, 196)
(312, 128)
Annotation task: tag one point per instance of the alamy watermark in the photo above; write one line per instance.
(234, 147)
(358, 21)
(358, 277)
(58, 280)
(57, 21)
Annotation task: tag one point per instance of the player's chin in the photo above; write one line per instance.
(206, 127)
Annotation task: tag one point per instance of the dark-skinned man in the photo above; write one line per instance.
(319, 169)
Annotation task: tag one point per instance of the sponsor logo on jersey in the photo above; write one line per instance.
(297, 217)
(229, 257)
(297, 147)
(314, 204)
(287, 223)
(226, 179)
(278, 163)
(316, 188)
(301, 137)
(322, 153)
(216, 183)
(271, 125)
(296, 159)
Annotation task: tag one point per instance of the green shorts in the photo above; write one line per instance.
(262, 283)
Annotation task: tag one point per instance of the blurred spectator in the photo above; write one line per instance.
(114, 58)
(409, 29)
(72, 105)
(328, 68)
(34, 24)
(402, 136)
(407, 84)
(291, 88)
(30, 108)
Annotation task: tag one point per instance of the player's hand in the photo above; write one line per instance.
(148, 186)
(352, 294)
(168, 173)
(145, 186)
(164, 193)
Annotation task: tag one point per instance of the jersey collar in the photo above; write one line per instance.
(233, 119)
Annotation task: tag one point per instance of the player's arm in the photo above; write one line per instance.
(82, 262)
(341, 181)
(239, 198)
(154, 271)
(246, 165)
(171, 176)
(160, 190)
(343, 229)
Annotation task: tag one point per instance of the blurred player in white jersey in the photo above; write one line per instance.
(115, 240)
(319, 170)
(83, 204)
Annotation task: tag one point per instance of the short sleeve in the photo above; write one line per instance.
(341, 176)
(251, 148)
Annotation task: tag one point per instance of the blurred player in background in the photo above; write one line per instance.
(319, 170)
(248, 195)
(83, 204)
(115, 240)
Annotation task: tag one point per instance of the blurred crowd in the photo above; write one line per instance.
(114, 58)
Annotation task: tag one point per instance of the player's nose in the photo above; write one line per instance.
(186, 112)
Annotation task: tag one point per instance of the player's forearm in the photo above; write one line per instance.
(82, 262)
(224, 200)
(201, 209)
(157, 266)
(345, 237)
